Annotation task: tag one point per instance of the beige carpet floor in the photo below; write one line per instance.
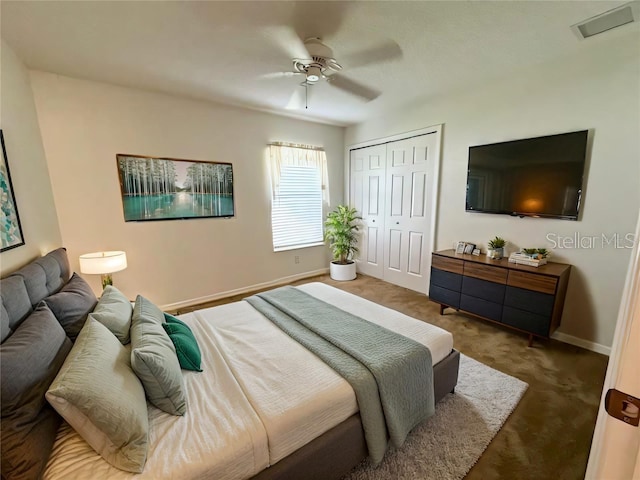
(548, 435)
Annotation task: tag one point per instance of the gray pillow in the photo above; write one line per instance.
(98, 394)
(114, 312)
(29, 361)
(153, 358)
(72, 304)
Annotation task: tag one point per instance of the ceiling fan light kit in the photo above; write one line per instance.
(320, 65)
(314, 73)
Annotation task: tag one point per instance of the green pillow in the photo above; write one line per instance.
(171, 319)
(183, 339)
(153, 358)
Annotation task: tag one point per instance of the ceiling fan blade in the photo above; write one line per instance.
(288, 41)
(297, 100)
(385, 52)
(277, 75)
(355, 88)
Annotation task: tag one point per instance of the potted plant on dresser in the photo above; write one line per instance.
(341, 232)
(495, 248)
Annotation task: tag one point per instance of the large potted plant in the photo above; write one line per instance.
(341, 232)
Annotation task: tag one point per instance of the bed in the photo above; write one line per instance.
(264, 407)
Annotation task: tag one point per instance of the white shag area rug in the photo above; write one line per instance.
(449, 443)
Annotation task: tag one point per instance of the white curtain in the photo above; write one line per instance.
(285, 155)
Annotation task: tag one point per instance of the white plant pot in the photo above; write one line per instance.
(342, 273)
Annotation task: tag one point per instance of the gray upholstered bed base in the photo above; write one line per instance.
(337, 451)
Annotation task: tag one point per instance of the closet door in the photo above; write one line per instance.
(409, 185)
(367, 192)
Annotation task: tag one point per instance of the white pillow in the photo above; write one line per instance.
(100, 396)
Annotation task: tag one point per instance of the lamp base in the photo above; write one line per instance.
(106, 280)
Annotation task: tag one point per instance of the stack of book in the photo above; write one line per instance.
(525, 259)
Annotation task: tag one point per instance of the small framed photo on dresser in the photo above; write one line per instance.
(469, 247)
(460, 247)
(476, 252)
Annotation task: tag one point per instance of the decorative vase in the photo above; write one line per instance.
(342, 272)
(498, 253)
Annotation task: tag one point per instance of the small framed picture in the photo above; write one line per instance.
(476, 252)
(460, 247)
(469, 247)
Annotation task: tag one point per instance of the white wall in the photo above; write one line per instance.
(598, 90)
(27, 163)
(85, 124)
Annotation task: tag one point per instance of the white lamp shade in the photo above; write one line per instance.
(103, 262)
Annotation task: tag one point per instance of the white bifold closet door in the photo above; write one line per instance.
(391, 187)
(368, 176)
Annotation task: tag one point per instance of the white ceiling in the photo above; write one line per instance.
(220, 51)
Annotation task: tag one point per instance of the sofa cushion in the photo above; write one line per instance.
(15, 304)
(99, 395)
(46, 275)
(29, 361)
(72, 304)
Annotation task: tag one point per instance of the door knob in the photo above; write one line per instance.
(397, 223)
(373, 221)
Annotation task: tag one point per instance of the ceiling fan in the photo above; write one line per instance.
(319, 65)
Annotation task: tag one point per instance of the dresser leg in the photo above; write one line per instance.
(442, 307)
(530, 341)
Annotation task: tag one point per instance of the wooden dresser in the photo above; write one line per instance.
(529, 299)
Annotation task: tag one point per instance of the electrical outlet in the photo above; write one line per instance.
(296, 259)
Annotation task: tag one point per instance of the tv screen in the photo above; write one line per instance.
(538, 177)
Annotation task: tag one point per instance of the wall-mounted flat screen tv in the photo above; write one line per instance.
(536, 177)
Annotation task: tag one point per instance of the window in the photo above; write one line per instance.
(299, 189)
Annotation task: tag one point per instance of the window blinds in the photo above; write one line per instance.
(298, 183)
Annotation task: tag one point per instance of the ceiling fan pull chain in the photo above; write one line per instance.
(306, 96)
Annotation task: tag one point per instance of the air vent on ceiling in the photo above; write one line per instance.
(622, 15)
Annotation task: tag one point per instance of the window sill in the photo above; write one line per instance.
(298, 247)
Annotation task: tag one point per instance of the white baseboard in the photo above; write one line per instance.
(579, 342)
(239, 291)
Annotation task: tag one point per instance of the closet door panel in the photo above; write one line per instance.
(367, 187)
(410, 165)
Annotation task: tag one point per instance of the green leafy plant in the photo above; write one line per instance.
(543, 252)
(341, 231)
(536, 252)
(497, 242)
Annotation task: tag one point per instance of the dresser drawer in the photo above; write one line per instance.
(494, 292)
(532, 281)
(534, 302)
(485, 272)
(448, 264)
(527, 321)
(481, 307)
(451, 281)
(444, 296)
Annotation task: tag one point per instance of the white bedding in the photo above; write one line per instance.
(272, 404)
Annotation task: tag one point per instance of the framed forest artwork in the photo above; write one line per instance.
(172, 189)
(11, 229)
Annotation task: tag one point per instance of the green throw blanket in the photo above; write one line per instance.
(392, 375)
